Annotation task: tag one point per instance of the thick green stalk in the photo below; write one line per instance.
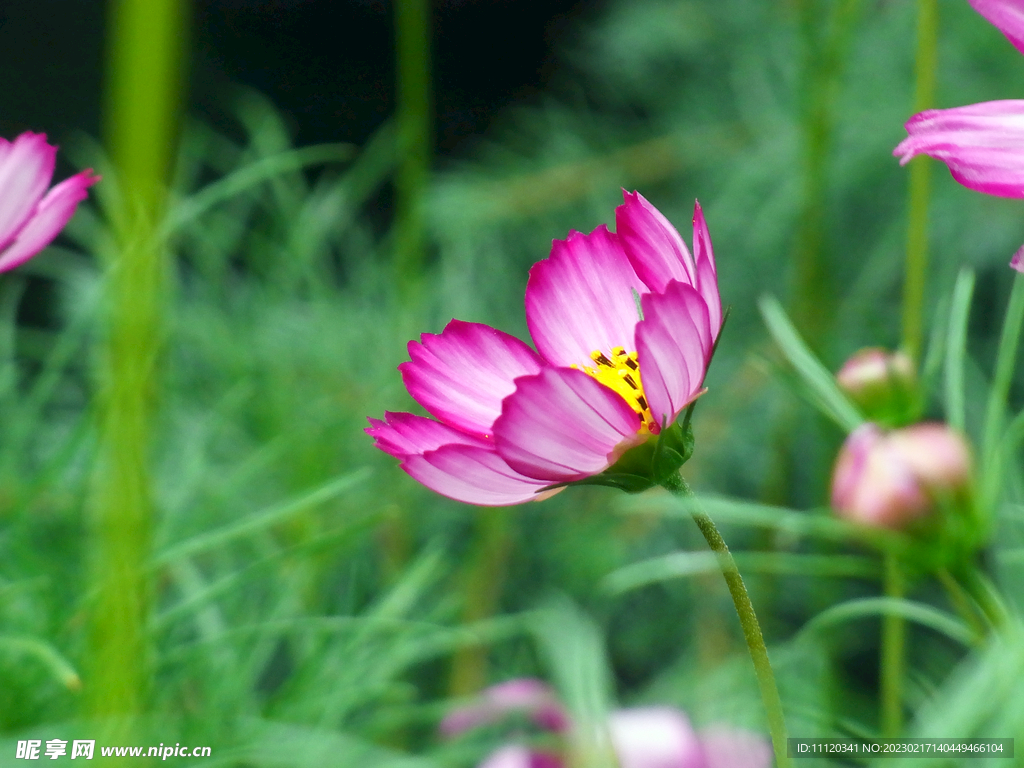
(482, 587)
(893, 656)
(826, 30)
(412, 42)
(144, 75)
(920, 171)
(748, 621)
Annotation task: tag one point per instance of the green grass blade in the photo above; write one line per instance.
(956, 348)
(820, 382)
(920, 613)
(682, 564)
(260, 521)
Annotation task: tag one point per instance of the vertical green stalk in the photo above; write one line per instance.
(894, 632)
(920, 171)
(412, 42)
(481, 590)
(143, 85)
(825, 32)
(748, 621)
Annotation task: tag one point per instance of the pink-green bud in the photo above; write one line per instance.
(891, 479)
(882, 383)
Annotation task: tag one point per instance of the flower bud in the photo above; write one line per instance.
(890, 479)
(882, 384)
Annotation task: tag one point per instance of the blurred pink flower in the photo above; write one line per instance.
(624, 326)
(30, 217)
(890, 479)
(518, 756)
(983, 144)
(524, 695)
(642, 737)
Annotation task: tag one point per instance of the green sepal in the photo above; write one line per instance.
(648, 464)
(674, 447)
(622, 480)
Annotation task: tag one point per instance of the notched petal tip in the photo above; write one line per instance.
(48, 218)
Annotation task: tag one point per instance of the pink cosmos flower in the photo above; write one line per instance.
(983, 144)
(642, 737)
(624, 324)
(30, 217)
(891, 479)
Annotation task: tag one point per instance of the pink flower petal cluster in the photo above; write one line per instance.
(642, 737)
(31, 216)
(983, 144)
(624, 324)
(889, 479)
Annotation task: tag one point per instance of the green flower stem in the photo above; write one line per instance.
(482, 585)
(412, 44)
(826, 30)
(893, 660)
(920, 172)
(748, 621)
(995, 413)
(143, 85)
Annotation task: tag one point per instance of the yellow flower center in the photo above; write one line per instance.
(621, 373)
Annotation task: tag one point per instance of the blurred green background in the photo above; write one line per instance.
(277, 589)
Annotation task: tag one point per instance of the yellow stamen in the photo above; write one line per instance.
(621, 373)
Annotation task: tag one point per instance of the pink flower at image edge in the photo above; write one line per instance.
(982, 144)
(30, 216)
(624, 325)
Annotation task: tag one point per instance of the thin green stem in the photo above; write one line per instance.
(893, 661)
(143, 86)
(412, 42)
(995, 412)
(964, 603)
(986, 596)
(748, 621)
(920, 172)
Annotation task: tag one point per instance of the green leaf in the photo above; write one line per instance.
(822, 390)
(921, 613)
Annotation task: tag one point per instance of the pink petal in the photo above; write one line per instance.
(673, 348)
(580, 299)
(26, 167)
(462, 375)
(654, 737)
(1007, 15)
(405, 434)
(562, 425)
(474, 475)
(51, 215)
(725, 747)
(654, 247)
(983, 144)
(707, 274)
(1017, 262)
